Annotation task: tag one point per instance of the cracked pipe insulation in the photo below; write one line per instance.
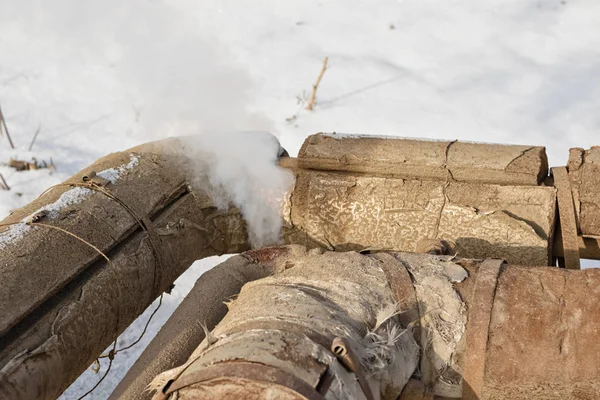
(357, 192)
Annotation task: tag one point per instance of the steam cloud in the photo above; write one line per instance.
(167, 79)
(242, 169)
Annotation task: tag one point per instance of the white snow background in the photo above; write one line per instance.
(102, 76)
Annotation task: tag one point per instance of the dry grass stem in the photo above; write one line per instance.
(313, 96)
(20, 165)
(34, 137)
(3, 184)
(3, 122)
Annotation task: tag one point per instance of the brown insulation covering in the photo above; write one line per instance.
(584, 174)
(61, 303)
(346, 211)
(543, 339)
(425, 159)
(289, 321)
(538, 326)
(56, 290)
(185, 329)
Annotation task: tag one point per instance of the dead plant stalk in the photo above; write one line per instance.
(3, 184)
(37, 132)
(3, 122)
(313, 96)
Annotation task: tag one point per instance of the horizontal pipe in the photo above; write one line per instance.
(589, 246)
(530, 332)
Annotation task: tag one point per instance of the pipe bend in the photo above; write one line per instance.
(61, 302)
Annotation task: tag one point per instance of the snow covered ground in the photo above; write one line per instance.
(102, 76)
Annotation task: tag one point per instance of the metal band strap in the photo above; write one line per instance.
(568, 219)
(403, 289)
(246, 370)
(263, 324)
(478, 326)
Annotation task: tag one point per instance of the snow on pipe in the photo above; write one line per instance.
(151, 211)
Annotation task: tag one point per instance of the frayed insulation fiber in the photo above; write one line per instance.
(443, 320)
(319, 296)
(289, 320)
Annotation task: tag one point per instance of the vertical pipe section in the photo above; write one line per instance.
(568, 218)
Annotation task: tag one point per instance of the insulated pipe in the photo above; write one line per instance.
(202, 309)
(530, 332)
(61, 302)
(542, 340)
(299, 334)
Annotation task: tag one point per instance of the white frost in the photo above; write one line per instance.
(15, 232)
(336, 135)
(113, 174)
(70, 197)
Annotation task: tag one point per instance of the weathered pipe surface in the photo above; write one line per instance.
(184, 330)
(530, 332)
(61, 303)
(425, 159)
(350, 211)
(543, 338)
(542, 335)
(584, 174)
(488, 200)
(279, 332)
(57, 290)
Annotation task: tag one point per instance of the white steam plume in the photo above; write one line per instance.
(242, 169)
(147, 66)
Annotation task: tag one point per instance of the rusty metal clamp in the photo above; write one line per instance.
(242, 370)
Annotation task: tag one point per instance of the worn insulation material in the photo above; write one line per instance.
(483, 220)
(443, 320)
(324, 295)
(426, 159)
